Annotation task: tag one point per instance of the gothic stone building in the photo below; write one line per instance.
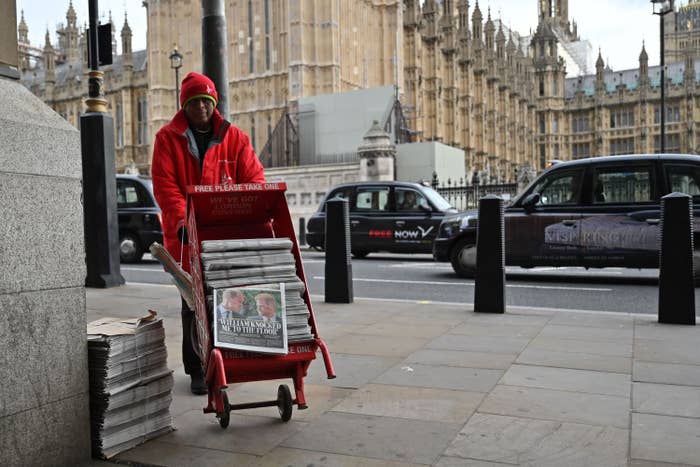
(58, 75)
(473, 84)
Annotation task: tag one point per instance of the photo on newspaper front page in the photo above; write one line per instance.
(251, 318)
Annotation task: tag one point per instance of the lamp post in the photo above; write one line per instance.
(662, 8)
(175, 64)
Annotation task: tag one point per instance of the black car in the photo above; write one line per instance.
(596, 212)
(139, 217)
(397, 217)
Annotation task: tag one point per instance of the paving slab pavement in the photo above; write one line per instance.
(435, 384)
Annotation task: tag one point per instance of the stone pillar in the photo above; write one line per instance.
(377, 155)
(44, 404)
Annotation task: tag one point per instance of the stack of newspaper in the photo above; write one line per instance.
(130, 383)
(259, 262)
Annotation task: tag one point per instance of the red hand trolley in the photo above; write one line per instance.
(219, 212)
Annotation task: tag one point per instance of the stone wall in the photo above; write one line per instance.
(44, 409)
(307, 185)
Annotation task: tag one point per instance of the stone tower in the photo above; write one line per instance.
(23, 38)
(550, 74)
(68, 36)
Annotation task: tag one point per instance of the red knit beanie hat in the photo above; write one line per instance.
(196, 86)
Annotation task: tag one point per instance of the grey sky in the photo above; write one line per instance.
(618, 27)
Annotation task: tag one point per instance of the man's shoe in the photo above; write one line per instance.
(197, 385)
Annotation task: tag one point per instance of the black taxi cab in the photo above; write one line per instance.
(140, 222)
(398, 217)
(595, 212)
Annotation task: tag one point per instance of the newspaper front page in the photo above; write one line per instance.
(251, 318)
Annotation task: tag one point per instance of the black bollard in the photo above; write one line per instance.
(490, 283)
(302, 231)
(676, 281)
(338, 265)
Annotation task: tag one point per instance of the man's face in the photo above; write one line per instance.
(266, 307)
(199, 112)
(233, 303)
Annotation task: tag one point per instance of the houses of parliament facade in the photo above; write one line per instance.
(462, 78)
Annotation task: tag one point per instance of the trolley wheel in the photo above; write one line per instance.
(225, 416)
(284, 402)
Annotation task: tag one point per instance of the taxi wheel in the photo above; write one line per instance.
(359, 253)
(463, 258)
(130, 249)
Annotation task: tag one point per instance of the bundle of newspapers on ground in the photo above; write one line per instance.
(130, 383)
(258, 262)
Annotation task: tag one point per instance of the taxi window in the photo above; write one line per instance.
(372, 199)
(559, 188)
(622, 185)
(128, 195)
(410, 200)
(684, 179)
(345, 192)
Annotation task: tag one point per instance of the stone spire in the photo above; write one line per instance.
(49, 60)
(599, 74)
(643, 67)
(643, 57)
(126, 37)
(489, 30)
(113, 35)
(126, 44)
(511, 49)
(463, 35)
(447, 27)
(500, 42)
(477, 18)
(463, 16)
(23, 31)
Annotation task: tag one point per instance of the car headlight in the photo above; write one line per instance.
(456, 224)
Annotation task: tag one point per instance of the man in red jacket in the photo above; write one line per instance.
(197, 147)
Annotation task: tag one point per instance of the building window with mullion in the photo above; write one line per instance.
(622, 117)
(142, 120)
(251, 39)
(119, 124)
(267, 34)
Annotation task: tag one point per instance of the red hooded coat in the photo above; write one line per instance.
(229, 159)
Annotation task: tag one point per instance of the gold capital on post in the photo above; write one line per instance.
(96, 101)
